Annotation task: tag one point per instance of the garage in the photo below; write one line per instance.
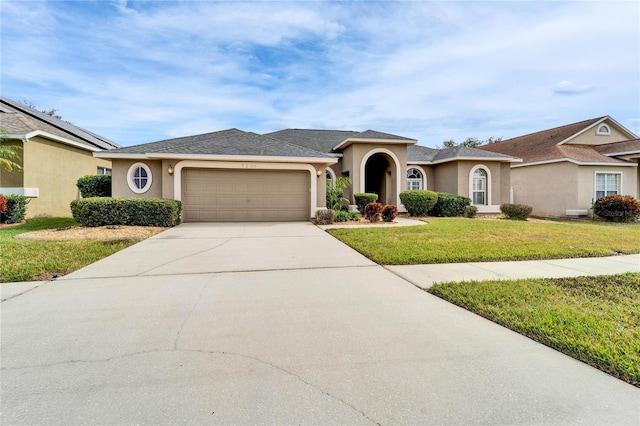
(219, 195)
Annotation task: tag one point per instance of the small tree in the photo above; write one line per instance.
(335, 192)
(9, 154)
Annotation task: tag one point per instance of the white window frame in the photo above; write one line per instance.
(600, 132)
(130, 176)
(421, 181)
(104, 170)
(487, 190)
(606, 172)
(331, 177)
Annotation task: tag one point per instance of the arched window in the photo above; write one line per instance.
(414, 179)
(331, 177)
(479, 192)
(139, 178)
(603, 130)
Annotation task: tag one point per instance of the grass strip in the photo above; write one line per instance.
(455, 240)
(29, 260)
(593, 319)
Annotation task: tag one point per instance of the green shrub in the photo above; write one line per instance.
(362, 199)
(344, 216)
(516, 211)
(15, 209)
(450, 205)
(101, 211)
(373, 211)
(470, 212)
(94, 186)
(335, 193)
(389, 212)
(324, 217)
(418, 202)
(617, 208)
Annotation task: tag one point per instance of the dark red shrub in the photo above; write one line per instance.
(617, 208)
(373, 211)
(3, 204)
(389, 212)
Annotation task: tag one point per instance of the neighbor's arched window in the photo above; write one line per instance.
(479, 192)
(414, 179)
(603, 130)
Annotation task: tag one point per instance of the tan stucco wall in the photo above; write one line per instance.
(120, 188)
(591, 138)
(54, 169)
(446, 177)
(14, 178)
(552, 189)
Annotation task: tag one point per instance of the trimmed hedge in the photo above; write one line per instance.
(325, 217)
(102, 211)
(617, 208)
(418, 202)
(450, 205)
(94, 186)
(364, 198)
(516, 211)
(15, 209)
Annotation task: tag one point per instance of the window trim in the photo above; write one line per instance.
(423, 180)
(487, 191)
(132, 185)
(606, 132)
(331, 177)
(104, 171)
(605, 172)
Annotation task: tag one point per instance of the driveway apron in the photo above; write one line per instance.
(275, 323)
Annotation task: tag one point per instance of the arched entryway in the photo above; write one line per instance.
(379, 175)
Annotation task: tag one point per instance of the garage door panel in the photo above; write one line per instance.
(242, 195)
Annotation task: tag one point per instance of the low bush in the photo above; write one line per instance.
(362, 199)
(516, 211)
(617, 208)
(3, 204)
(94, 186)
(102, 211)
(325, 217)
(449, 205)
(344, 216)
(373, 212)
(15, 209)
(418, 202)
(389, 212)
(470, 212)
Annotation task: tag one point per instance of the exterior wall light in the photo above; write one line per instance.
(318, 172)
(170, 169)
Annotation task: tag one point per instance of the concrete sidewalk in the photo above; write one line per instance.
(425, 276)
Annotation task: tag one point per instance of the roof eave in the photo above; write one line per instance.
(577, 162)
(215, 157)
(345, 143)
(500, 160)
(605, 118)
(60, 139)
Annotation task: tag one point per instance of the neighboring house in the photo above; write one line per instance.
(232, 175)
(54, 155)
(566, 168)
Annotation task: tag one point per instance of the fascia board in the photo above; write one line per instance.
(500, 160)
(349, 141)
(120, 155)
(239, 158)
(579, 163)
(61, 140)
(597, 123)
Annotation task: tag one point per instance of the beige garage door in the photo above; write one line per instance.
(211, 195)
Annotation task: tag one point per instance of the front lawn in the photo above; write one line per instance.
(455, 240)
(593, 319)
(27, 260)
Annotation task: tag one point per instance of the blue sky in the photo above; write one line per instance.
(141, 71)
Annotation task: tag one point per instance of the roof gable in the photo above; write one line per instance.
(18, 119)
(319, 140)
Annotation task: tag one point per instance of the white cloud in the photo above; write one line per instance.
(567, 88)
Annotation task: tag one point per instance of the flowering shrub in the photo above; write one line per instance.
(617, 208)
(3, 204)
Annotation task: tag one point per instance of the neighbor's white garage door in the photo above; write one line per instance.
(212, 195)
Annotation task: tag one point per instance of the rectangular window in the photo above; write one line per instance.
(607, 184)
(413, 184)
(104, 171)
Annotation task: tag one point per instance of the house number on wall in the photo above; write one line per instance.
(249, 165)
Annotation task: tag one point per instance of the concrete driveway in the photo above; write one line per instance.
(276, 323)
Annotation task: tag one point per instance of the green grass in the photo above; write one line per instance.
(593, 319)
(454, 240)
(27, 260)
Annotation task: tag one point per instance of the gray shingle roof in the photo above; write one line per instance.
(466, 152)
(373, 134)
(319, 140)
(421, 153)
(224, 142)
(18, 119)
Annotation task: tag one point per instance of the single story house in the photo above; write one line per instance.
(565, 169)
(233, 175)
(54, 155)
